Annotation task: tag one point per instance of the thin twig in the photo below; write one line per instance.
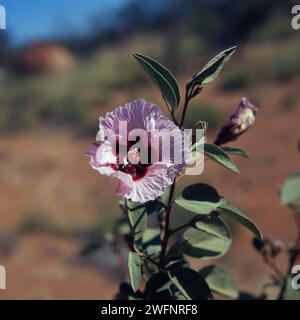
(166, 235)
(186, 103)
(146, 257)
(275, 268)
(171, 111)
(167, 226)
(161, 203)
(188, 224)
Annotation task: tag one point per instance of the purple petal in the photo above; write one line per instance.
(153, 184)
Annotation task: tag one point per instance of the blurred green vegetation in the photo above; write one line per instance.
(65, 98)
(180, 36)
(281, 63)
(204, 111)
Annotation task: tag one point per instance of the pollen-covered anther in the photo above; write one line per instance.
(133, 156)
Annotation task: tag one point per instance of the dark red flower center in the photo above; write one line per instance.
(132, 164)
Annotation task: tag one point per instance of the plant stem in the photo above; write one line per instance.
(171, 111)
(269, 261)
(188, 224)
(147, 258)
(161, 203)
(274, 267)
(166, 233)
(186, 103)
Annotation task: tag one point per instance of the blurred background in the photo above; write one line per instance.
(64, 63)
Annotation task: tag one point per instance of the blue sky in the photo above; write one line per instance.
(29, 20)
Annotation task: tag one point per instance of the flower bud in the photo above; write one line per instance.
(238, 123)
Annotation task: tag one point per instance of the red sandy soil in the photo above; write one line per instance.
(47, 172)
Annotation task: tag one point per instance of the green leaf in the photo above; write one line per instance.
(126, 293)
(219, 281)
(218, 155)
(154, 206)
(290, 191)
(212, 69)
(177, 262)
(210, 239)
(138, 218)
(199, 198)
(151, 242)
(158, 287)
(236, 214)
(162, 78)
(190, 284)
(165, 196)
(135, 270)
(236, 151)
(177, 249)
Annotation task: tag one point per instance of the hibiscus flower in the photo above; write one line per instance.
(147, 164)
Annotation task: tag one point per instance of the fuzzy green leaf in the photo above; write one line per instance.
(190, 283)
(219, 281)
(218, 155)
(199, 198)
(210, 239)
(162, 78)
(158, 287)
(137, 213)
(236, 214)
(212, 69)
(135, 270)
(236, 151)
(290, 191)
(126, 293)
(150, 242)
